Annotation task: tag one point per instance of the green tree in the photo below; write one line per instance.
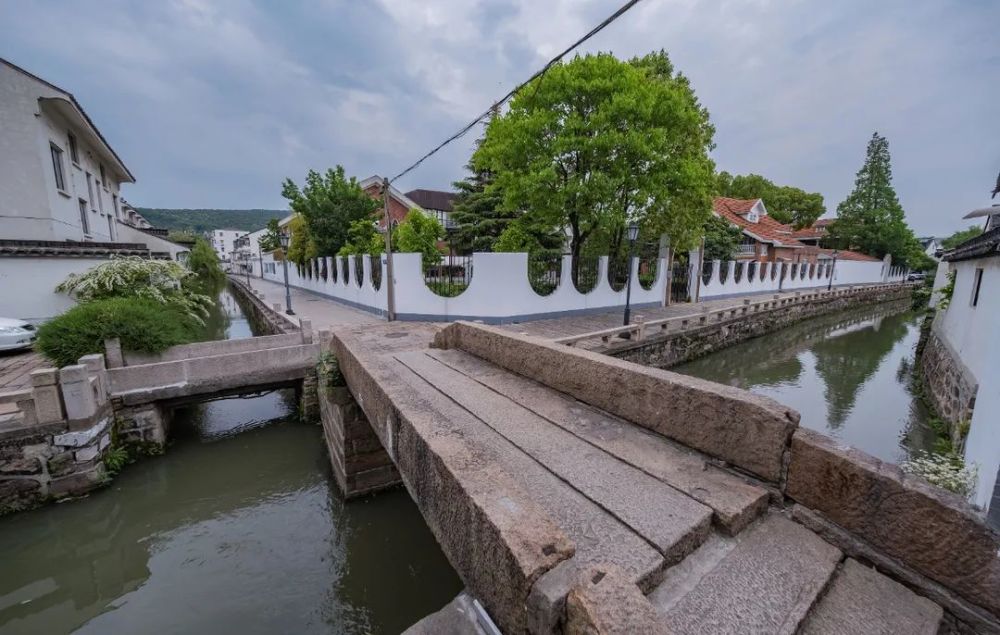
(479, 217)
(301, 246)
(597, 142)
(871, 219)
(786, 204)
(721, 239)
(204, 263)
(363, 238)
(419, 233)
(271, 240)
(328, 203)
(961, 236)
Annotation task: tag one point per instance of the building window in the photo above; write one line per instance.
(114, 202)
(104, 179)
(100, 200)
(90, 190)
(111, 228)
(57, 166)
(977, 281)
(84, 221)
(74, 154)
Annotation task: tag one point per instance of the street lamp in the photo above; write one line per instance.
(247, 264)
(284, 239)
(633, 233)
(833, 267)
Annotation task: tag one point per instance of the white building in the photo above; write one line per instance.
(967, 337)
(223, 242)
(61, 209)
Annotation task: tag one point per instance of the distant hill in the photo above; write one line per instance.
(203, 220)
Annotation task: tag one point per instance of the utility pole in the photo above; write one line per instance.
(390, 291)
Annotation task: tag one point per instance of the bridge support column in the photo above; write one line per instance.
(144, 427)
(360, 463)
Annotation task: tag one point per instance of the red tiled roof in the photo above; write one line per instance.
(847, 254)
(818, 229)
(766, 229)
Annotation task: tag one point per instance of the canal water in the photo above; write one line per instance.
(237, 528)
(849, 375)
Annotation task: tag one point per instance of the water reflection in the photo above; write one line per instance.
(243, 534)
(848, 374)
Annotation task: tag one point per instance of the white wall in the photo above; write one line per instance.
(768, 277)
(33, 208)
(499, 290)
(27, 285)
(128, 234)
(222, 242)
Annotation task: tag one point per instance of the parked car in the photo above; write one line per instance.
(916, 276)
(16, 334)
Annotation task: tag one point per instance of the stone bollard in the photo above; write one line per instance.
(325, 337)
(45, 391)
(305, 326)
(78, 395)
(113, 353)
(95, 367)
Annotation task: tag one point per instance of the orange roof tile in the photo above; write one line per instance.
(766, 229)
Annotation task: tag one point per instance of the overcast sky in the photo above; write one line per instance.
(212, 104)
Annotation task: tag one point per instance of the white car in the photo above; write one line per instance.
(16, 334)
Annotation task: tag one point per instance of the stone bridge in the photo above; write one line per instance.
(575, 492)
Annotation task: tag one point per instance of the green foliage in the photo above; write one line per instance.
(328, 369)
(721, 239)
(946, 292)
(523, 236)
(477, 211)
(115, 459)
(785, 204)
(271, 240)
(204, 263)
(328, 203)
(961, 236)
(182, 236)
(419, 233)
(921, 297)
(161, 281)
(200, 221)
(598, 142)
(870, 219)
(363, 238)
(141, 324)
(301, 247)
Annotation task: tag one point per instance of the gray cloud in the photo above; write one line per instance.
(213, 103)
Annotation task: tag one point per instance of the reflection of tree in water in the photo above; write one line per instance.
(845, 363)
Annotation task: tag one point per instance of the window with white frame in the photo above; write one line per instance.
(74, 153)
(104, 178)
(977, 282)
(90, 191)
(84, 221)
(57, 166)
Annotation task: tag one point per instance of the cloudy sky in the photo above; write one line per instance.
(213, 103)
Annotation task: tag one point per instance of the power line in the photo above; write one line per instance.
(461, 133)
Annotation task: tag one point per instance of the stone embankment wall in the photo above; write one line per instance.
(948, 383)
(266, 320)
(672, 348)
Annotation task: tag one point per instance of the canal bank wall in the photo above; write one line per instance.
(713, 332)
(948, 384)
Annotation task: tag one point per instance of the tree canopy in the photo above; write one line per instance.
(597, 142)
(721, 239)
(786, 204)
(961, 236)
(871, 219)
(327, 204)
(419, 233)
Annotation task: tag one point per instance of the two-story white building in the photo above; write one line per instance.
(61, 207)
(224, 243)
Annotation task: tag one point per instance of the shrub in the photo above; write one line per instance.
(204, 263)
(141, 324)
(948, 471)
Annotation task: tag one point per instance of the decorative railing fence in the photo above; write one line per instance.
(506, 287)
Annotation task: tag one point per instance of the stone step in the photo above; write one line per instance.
(764, 580)
(861, 601)
(671, 521)
(734, 502)
(597, 535)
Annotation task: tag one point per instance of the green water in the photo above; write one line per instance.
(237, 528)
(849, 375)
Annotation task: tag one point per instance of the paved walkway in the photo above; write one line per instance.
(323, 312)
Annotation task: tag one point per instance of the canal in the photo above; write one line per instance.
(849, 375)
(238, 527)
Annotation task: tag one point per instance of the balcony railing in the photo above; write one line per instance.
(750, 249)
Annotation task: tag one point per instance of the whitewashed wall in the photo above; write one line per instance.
(499, 290)
(27, 285)
(768, 278)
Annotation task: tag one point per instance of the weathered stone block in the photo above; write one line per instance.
(17, 494)
(606, 601)
(88, 453)
(78, 483)
(935, 532)
(21, 466)
(82, 438)
(61, 464)
(747, 430)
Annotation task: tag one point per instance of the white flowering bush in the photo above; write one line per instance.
(948, 471)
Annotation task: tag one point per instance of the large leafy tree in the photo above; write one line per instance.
(328, 203)
(961, 236)
(419, 233)
(721, 239)
(477, 212)
(598, 142)
(871, 219)
(786, 204)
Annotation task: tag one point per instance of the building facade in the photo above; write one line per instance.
(59, 178)
(224, 243)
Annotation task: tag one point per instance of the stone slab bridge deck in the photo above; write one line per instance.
(575, 492)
